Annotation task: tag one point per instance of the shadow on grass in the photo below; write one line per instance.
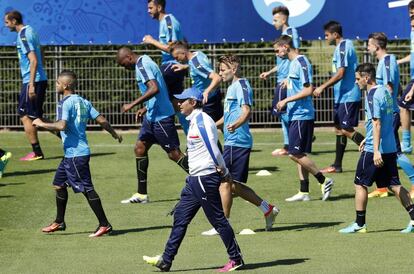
(386, 230)
(6, 196)
(301, 226)
(317, 152)
(341, 197)
(165, 200)
(92, 155)
(11, 184)
(268, 168)
(252, 265)
(117, 232)
(256, 150)
(29, 172)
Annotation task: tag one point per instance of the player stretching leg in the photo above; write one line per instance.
(301, 116)
(347, 97)
(238, 141)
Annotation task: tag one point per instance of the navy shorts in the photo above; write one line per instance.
(367, 173)
(162, 132)
(174, 80)
(346, 115)
(214, 107)
(237, 161)
(300, 136)
(280, 94)
(32, 108)
(74, 172)
(404, 104)
(396, 123)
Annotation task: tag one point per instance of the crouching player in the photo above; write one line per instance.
(73, 113)
(207, 170)
(378, 160)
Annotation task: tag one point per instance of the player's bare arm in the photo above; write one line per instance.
(56, 126)
(244, 117)
(215, 82)
(33, 68)
(334, 79)
(101, 120)
(151, 92)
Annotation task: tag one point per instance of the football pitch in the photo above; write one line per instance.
(304, 239)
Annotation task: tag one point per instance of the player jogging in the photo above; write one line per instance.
(158, 123)
(378, 160)
(73, 113)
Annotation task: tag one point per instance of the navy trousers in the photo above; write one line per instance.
(201, 191)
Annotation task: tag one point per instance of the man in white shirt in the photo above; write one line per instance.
(207, 170)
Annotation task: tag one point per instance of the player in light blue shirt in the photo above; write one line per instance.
(158, 125)
(347, 97)
(301, 119)
(377, 162)
(202, 76)
(238, 141)
(169, 31)
(406, 102)
(73, 114)
(281, 22)
(33, 90)
(388, 75)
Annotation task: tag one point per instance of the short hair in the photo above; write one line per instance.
(161, 3)
(333, 26)
(412, 18)
(411, 5)
(284, 40)
(15, 15)
(283, 10)
(366, 69)
(229, 59)
(74, 78)
(178, 45)
(380, 38)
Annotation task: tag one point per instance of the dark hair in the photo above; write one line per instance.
(412, 18)
(178, 45)
(229, 59)
(74, 78)
(161, 3)
(333, 26)
(366, 69)
(411, 5)
(198, 104)
(380, 38)
(15, 15)
(284, 40)
(282, 9)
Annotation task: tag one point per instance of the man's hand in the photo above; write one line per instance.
(126, 107)
(179, 67)
(205, 97)
(362, 145)
(37, 122)
(264, 75)
(231, 128)
(281, 104)
(378, 162)
(284, 83)
(318, 91)
(31, 90)
(140, 113)
(409, 96)
(148, 39)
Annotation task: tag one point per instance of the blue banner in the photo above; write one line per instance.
(97, 22)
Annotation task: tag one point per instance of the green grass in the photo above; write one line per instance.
(304, 240)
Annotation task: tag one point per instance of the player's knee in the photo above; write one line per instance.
(396, 189)
(175, 155)
(91, 195)
(139, 150)
(59, 187)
